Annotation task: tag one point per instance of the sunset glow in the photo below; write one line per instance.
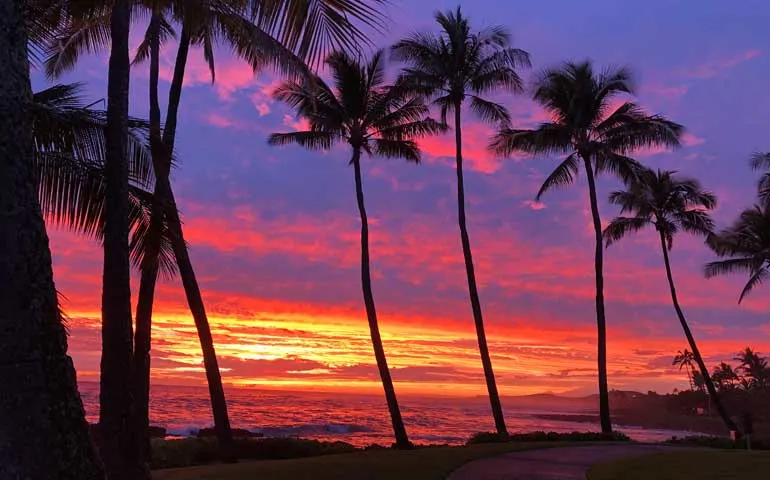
(274, 233)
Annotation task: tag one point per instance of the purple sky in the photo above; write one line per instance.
(274, 230)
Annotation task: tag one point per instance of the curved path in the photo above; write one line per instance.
(563, 463)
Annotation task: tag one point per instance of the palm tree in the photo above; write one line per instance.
(670, 203)
(252, 30)
(746, 244)
(684, 359)
(373, 119)
(587, 130)
(45, 434)
(725, 378)
(756, 374)
(457, 65)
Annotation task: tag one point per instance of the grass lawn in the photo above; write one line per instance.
(423, 464)
(705, 465)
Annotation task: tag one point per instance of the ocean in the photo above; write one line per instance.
(357, 419)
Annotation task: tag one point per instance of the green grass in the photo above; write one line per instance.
(422, 464)
(702, 465)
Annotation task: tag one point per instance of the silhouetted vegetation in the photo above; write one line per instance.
(540, 436)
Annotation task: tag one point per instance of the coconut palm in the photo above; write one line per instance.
(362, 111)
(684, 359)
(590, 132)
(756, 373)
(43, 425)
(745, 245)
(449, 68)
(671, 204)
(264, 33)
(725, 378)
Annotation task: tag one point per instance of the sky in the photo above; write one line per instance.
(274, 232)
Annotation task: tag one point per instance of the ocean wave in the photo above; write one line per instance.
(312, 429)
(304, 430)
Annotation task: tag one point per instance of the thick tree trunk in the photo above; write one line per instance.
(715, 397)
(601, 357)
(473, 292)
(402, 440)
(149, 267)
(120, 445)
(43, 431)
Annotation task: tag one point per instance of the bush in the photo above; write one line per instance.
(489, 437)
(197, 451)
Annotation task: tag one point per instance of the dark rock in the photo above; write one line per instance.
(237, 433)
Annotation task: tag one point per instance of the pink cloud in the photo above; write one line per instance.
(475, 140)
(715, 68)
(298, 124)
(535, 205)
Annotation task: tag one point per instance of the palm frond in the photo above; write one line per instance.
(547, 139)
(760, 161)
(759, 276)
(696, 222)
(406, 149)
(619, 227)
(166, 32)
(564, 174)
(489, 112)
(77, 36)
(729, 266)
(314, 140)
(313, 28)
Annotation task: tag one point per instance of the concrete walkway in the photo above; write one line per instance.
(565, 463)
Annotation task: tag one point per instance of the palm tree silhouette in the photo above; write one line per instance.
(746, 246)
(449, 68)
(669, 203)
(756, 374)
(684, 359)
(585, 127)
(373, 119)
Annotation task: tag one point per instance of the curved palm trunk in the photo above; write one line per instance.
(693, 347)
(486, 360)
(402, 441)
(164, 198)
(149, 267)
(120, 445)
(604, 394)
(43, 430)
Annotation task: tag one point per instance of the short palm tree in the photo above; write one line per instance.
(457, 65)
(756, 373)
(670, 203)
(363, 112)
(745, 247)
(43, 425)
(591, 134)
(684, 360)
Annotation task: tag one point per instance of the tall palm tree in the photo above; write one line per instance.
(42, 421)
(449, 68)
(745, 245)
(684, 359)
(373, 119)
(670, 203)
(586, 129)
(263, 33)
